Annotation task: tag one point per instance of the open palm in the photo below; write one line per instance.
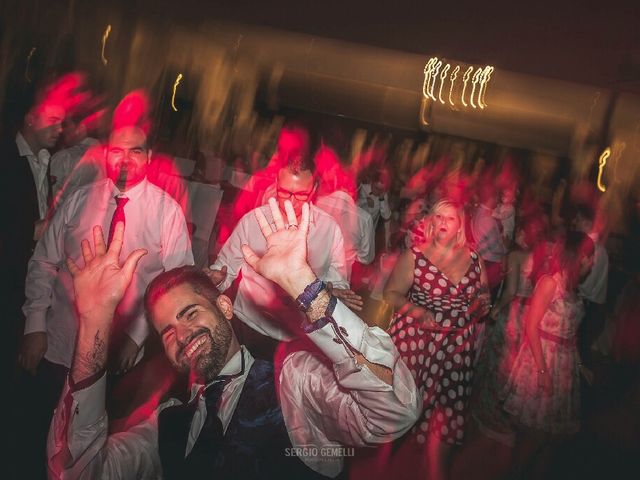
(286, 244)
(101, 284)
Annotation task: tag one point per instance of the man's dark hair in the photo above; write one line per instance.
(189, 275)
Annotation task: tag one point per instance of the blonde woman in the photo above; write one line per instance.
(438, 289)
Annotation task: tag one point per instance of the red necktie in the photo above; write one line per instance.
(118, 216)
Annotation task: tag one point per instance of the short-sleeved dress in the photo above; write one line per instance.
(559, 411)
(441, 362)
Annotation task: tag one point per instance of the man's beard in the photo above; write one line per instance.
(206, 365)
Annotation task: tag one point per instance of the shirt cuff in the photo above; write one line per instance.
(86, 383)
(347, 334)
(89, 402)
(36, 322)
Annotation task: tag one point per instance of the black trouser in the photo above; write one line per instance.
(34, 401)
(590, 329)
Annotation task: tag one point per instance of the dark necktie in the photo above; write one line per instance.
(212, 430)
(174, 424)
(118, 216)
(206, 453)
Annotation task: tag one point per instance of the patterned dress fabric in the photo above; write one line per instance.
(497, 357)
(559, 411)
(441, 362)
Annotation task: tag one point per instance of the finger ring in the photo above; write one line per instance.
(292, 226)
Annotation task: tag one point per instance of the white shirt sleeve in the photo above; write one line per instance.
(230, 255)
(337, 271)
(594, 287)
(343, 403)
(176, 252)
(44, 264)
(78, 445)
(176, 246)
(366, 248)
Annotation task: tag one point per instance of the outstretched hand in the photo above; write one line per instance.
(285, 260)
(350, 298)
(101, 284)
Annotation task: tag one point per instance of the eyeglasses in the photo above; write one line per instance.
(300, 196)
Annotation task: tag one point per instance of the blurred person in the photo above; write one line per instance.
(25, 197)
(259, 303)
(593, 288)
(505, 212)
(293, 147)
(24, 200)
(152, 219)
(126, 193)
(487, 236)
(246, 418)
(25, 179)
(81, 162)
(336, 194)
(505, 333)
(412, 228)
(374, 198)
(542, 393)
(134, 110)
(438, 290)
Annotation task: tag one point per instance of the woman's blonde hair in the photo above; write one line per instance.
(461, 237)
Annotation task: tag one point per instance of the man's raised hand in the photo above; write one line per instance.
(285, 260)
(101, 284)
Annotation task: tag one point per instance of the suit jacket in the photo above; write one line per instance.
(18, 212)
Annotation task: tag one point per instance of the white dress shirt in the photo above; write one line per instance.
(594, 287)
(38, 164)
(379, 205)
(324, 405)
(356, 225)
(486, 233)
(153, 221)
(260, 303)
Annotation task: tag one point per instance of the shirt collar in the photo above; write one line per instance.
(232, 367)
(23, 147)
(134, 193)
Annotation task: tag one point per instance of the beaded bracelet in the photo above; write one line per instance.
(309, 327)
(309, 294)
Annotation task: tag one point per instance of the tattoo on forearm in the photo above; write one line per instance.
(92, 360)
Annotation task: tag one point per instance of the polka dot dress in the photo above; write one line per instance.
(440, 362)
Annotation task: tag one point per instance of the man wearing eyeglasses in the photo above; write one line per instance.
(259, 303)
